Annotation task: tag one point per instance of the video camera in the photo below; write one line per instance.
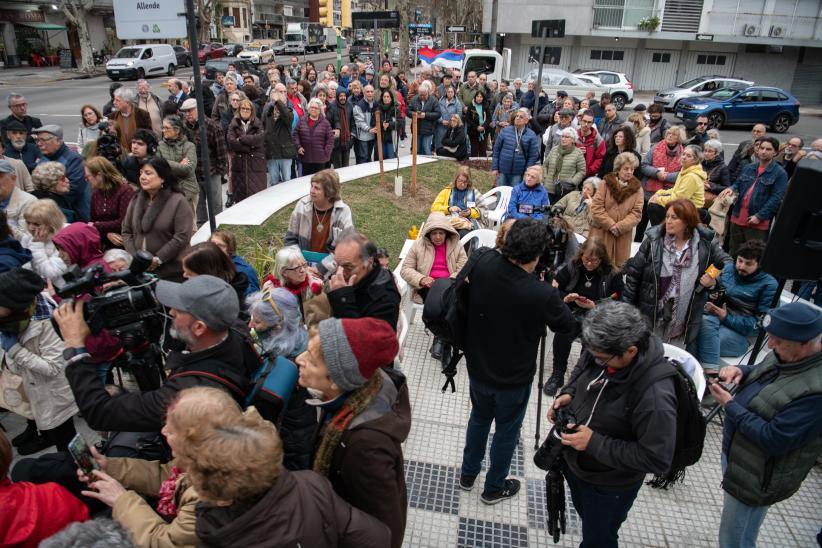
(108, 145)
(550, 450)
(127, 308)
(556, 240)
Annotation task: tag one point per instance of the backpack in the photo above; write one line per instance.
(690, 423)
(445, 313)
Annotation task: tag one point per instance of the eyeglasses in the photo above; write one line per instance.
(586, 122)
(702, 123)
(19, 105)
(245, 109)
(301, 266)
(43, 139)
(591, 260)
(234, 100)
(167, 128)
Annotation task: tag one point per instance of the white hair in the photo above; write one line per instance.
(569, 132)
(126, 94)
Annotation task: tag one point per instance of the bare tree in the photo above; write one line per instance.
(205, 13)
(406, 9)
(467, 13)
(76, 12)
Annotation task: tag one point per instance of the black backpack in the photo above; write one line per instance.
(690, 423)
(445, 313)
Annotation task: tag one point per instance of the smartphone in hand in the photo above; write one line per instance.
(81, 454)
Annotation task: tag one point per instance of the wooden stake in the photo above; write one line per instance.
(379, 146)
(414, 155)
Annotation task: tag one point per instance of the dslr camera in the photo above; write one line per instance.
(551, 448)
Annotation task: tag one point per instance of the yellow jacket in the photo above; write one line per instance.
(689, 185)
(147, 527)
(441, 203)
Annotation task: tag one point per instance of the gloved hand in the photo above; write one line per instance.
(7, 340)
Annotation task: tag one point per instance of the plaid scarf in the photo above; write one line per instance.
(332, 434)
(677, 283)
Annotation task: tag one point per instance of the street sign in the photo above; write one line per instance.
(548, 28)
(149, 19)
(705, 37)
(380, 19)
(419, 29)
(453, 28)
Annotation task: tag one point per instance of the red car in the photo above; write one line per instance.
(211, 51)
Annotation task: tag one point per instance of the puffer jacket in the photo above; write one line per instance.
(524, 195)
(769, 191)
(718, 174)
(317, 142)
(594, 147)
(431, 109)
(642, 273)
(444, 198)
(689, 185)
(420, 258)
(634, 432)
(279, 144)
(300, 509)
(748, 298)
(173, 152)
(506, 159)
(580, 221)
(147, 527)
(571, 171)
(38, 359)
(363, 111)
(447, 109)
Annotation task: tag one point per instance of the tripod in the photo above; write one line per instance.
(539, 386)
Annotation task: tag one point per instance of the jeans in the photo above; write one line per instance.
(740, 523)
(715, 340)
(215, 188)
(604, 509)
(340, 156)
(388, 151)
(506, 179)
(279, 171)
(365, 151)
(806, 291)
(506, 408)
(424, 143)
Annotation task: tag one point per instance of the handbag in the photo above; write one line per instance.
(460, 223)
(13, 394)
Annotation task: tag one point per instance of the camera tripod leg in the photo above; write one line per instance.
(539, 390)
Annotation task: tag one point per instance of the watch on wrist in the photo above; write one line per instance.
(70, 353)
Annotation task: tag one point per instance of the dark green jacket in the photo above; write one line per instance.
(754, 476)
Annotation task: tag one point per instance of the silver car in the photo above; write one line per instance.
(554, 80)
(703, 85)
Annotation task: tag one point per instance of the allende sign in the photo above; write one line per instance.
(149, 19)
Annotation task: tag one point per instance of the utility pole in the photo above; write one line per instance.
(492, 40)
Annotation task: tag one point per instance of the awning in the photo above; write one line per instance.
(43, 26)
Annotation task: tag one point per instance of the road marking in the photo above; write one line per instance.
(62, 115)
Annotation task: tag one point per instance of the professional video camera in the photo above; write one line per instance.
(548, 457)
(556, 240)
(108, 145)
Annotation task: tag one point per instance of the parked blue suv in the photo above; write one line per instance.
(773, 107)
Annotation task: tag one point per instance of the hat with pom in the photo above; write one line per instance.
(354, 349)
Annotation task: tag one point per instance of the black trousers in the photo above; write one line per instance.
(562, 349)
(643, 222)
(61, 435)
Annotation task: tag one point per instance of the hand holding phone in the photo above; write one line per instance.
(82, 456)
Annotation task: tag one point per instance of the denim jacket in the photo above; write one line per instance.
(768, 194)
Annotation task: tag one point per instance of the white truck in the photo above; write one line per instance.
(482, 61)
(308, 38)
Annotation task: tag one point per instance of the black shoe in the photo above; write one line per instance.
(511, 488)
(34, 446)
(467, 482)
(28, 434)
(436, 349)
(550, 388)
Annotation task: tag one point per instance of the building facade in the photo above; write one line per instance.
(659, 43)
(271, 17)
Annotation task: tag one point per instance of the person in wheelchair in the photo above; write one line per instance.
(529, 199)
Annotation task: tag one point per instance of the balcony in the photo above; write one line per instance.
(622, 14)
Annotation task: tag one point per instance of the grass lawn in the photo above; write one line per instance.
(377, 212)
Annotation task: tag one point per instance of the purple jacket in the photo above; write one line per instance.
(318, 141)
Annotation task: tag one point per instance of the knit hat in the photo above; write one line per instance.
(19, 287)
(796, 321)
(354, 349)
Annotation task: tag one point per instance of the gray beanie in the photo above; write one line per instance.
(355, 349)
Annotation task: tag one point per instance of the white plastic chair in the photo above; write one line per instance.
(691, 366)
(485, 237)
(493, 217)
(402, 333)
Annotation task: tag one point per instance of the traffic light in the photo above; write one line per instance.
(327, 13)
(345, 8)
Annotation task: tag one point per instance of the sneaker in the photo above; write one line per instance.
(467, 482)
(550, 388)
(511, 488)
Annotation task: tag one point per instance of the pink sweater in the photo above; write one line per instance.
(440, 267)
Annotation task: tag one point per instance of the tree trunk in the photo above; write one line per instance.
(406, 9)
(76, 14)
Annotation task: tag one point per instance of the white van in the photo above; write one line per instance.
(141, 61)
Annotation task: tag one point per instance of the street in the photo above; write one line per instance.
(60, 102)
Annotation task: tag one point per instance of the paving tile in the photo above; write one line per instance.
(432, 487)
(487, 534)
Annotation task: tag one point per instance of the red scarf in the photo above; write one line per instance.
(662, 160)
(166, 506)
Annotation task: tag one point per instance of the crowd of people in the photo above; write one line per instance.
(187, 461)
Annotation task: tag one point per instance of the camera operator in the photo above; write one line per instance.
(623, 429)
(506, 303)
(203, 310)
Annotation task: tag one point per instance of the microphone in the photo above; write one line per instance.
(711, 271)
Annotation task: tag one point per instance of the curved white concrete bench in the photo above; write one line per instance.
(256, 209)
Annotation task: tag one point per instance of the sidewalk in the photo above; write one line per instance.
(43, 75)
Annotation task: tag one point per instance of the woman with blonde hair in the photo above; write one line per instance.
(689, 185)
(642, 133)
(50, 182)
(43, 220)
(660, 167)
(453, 141)
(246, 143)
(529, 198)
(110, 197)
(235, 463)
(617, 208)
(319, 218)
(459, 200)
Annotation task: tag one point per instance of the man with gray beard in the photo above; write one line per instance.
(19, 147)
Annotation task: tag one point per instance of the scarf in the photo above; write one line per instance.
(345, 131)
(166, 506)
(127, 126)
(677, 283)
(17, 322)
(357, 402)
(480, 116)
(461, 197)
(563, 152)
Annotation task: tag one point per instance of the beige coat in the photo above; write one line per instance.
(417, 264)
(20, 200)
(618, 206)
(568, 204)
(24, 181)
(38, 359)
(147, 527)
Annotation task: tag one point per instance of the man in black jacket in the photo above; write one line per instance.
(623, 402)
(203, 310)
(508, 309)
(361, 287)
